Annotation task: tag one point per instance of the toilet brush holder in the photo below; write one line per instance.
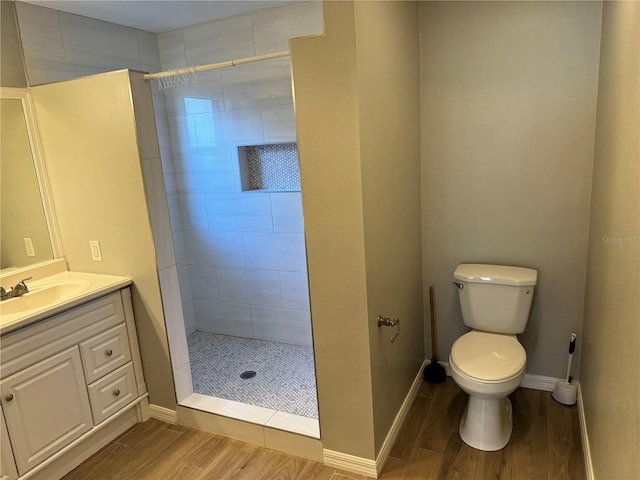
(565, 392)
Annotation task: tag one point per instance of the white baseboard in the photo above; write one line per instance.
(351, 463)
(535, 382)
(373, 468)
(383, 455)
(540, 382)
(163, 414)
(586, 450)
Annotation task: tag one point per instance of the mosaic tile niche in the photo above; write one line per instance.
(269, 168)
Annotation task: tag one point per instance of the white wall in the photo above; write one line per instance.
(241, 255)
(611, 355)
(508, 120)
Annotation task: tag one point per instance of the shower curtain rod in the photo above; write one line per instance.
(213, 66)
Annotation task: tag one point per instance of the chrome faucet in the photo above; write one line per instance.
(17, 291)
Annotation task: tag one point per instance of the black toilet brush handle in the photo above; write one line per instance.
(572, 348)
(572, 344)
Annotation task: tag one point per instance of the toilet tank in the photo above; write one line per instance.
(495, 298)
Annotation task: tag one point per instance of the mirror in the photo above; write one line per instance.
(24, 227)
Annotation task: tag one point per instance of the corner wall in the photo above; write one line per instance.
(610, 381)
(387, 41)
(357, 119)
(325, 97)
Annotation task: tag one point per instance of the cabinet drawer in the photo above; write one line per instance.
(111, 393)
(37, 342)
(105, 352)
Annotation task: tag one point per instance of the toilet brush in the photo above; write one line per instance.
(565, 392)
(434, 372)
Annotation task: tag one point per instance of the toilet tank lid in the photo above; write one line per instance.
(496, 274)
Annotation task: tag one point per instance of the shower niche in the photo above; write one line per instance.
(269, 167)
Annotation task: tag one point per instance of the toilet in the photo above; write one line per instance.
(488, 363)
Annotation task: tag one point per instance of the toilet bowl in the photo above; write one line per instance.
(488, 367)
(488, 362)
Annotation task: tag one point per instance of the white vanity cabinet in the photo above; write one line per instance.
(66, 376)
(46, 407)
(8, 469)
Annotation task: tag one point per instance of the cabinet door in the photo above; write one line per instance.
(46, 407)
(7, 463)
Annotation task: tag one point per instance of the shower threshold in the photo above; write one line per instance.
(265, 417)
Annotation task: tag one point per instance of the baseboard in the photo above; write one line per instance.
(373, 468)
(351, 463)
(535, 382)
(540, 382)
(586, 450)
(383, 455)
(163, 414)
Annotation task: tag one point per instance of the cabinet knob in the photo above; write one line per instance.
(116, 392)
(9, 397)
(109, 352)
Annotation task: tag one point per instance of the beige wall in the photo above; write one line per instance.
(508, 116)
(12, 73)
(89, 141)
(389, 118)
(357, 124)
(610, 382)
(21, 212)
(327, 125)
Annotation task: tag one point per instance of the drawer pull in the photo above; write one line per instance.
(109, 352)
(9, 397)
(116, 392)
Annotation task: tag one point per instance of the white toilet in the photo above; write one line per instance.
(488, 363)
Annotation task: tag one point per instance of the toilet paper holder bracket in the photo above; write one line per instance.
(390, 322)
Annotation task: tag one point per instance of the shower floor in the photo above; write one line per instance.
(284, 381)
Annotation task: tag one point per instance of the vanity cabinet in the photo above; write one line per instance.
(46, 407)
(8, 469)
(64, 376)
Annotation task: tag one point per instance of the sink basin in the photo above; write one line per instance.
(43, 295)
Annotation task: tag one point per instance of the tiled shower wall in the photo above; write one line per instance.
(241, 255)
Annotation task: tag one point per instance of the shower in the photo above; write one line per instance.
(231, 173)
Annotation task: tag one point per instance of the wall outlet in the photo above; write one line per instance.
(28, 245)
(96, 252)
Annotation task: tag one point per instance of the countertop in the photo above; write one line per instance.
(92, 286)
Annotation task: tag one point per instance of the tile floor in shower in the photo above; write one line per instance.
(285, 376)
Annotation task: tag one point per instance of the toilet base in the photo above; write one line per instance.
(487, 423)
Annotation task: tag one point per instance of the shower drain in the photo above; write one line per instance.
(247, 374)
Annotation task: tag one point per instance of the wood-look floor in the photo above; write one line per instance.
(545, 445)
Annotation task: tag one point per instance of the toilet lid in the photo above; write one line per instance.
(488, 356)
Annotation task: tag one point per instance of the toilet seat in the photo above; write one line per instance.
(488, 357)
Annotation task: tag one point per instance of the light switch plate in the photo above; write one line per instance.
(96, 252)
(28, 245)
